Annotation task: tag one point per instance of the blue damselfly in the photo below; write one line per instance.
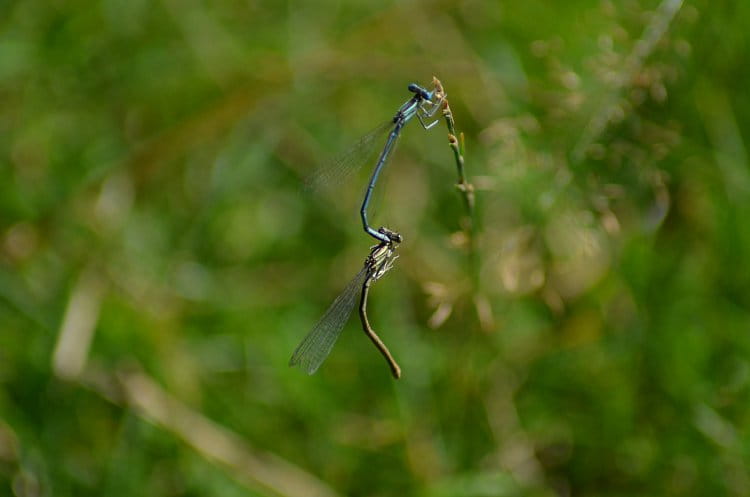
(424, 104)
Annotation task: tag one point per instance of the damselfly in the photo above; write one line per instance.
(424, 104)
(316, 346)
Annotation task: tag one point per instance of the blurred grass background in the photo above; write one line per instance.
(158, 264)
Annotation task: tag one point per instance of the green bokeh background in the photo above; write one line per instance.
(589, 337)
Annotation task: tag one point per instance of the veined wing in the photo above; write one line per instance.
(342, 166)
(316, 346)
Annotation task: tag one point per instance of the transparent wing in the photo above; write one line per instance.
(316, 346)
(341, 167)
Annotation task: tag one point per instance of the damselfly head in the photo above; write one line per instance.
(392, 235)
(415, 88)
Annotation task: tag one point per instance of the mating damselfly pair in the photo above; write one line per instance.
(316, 346)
